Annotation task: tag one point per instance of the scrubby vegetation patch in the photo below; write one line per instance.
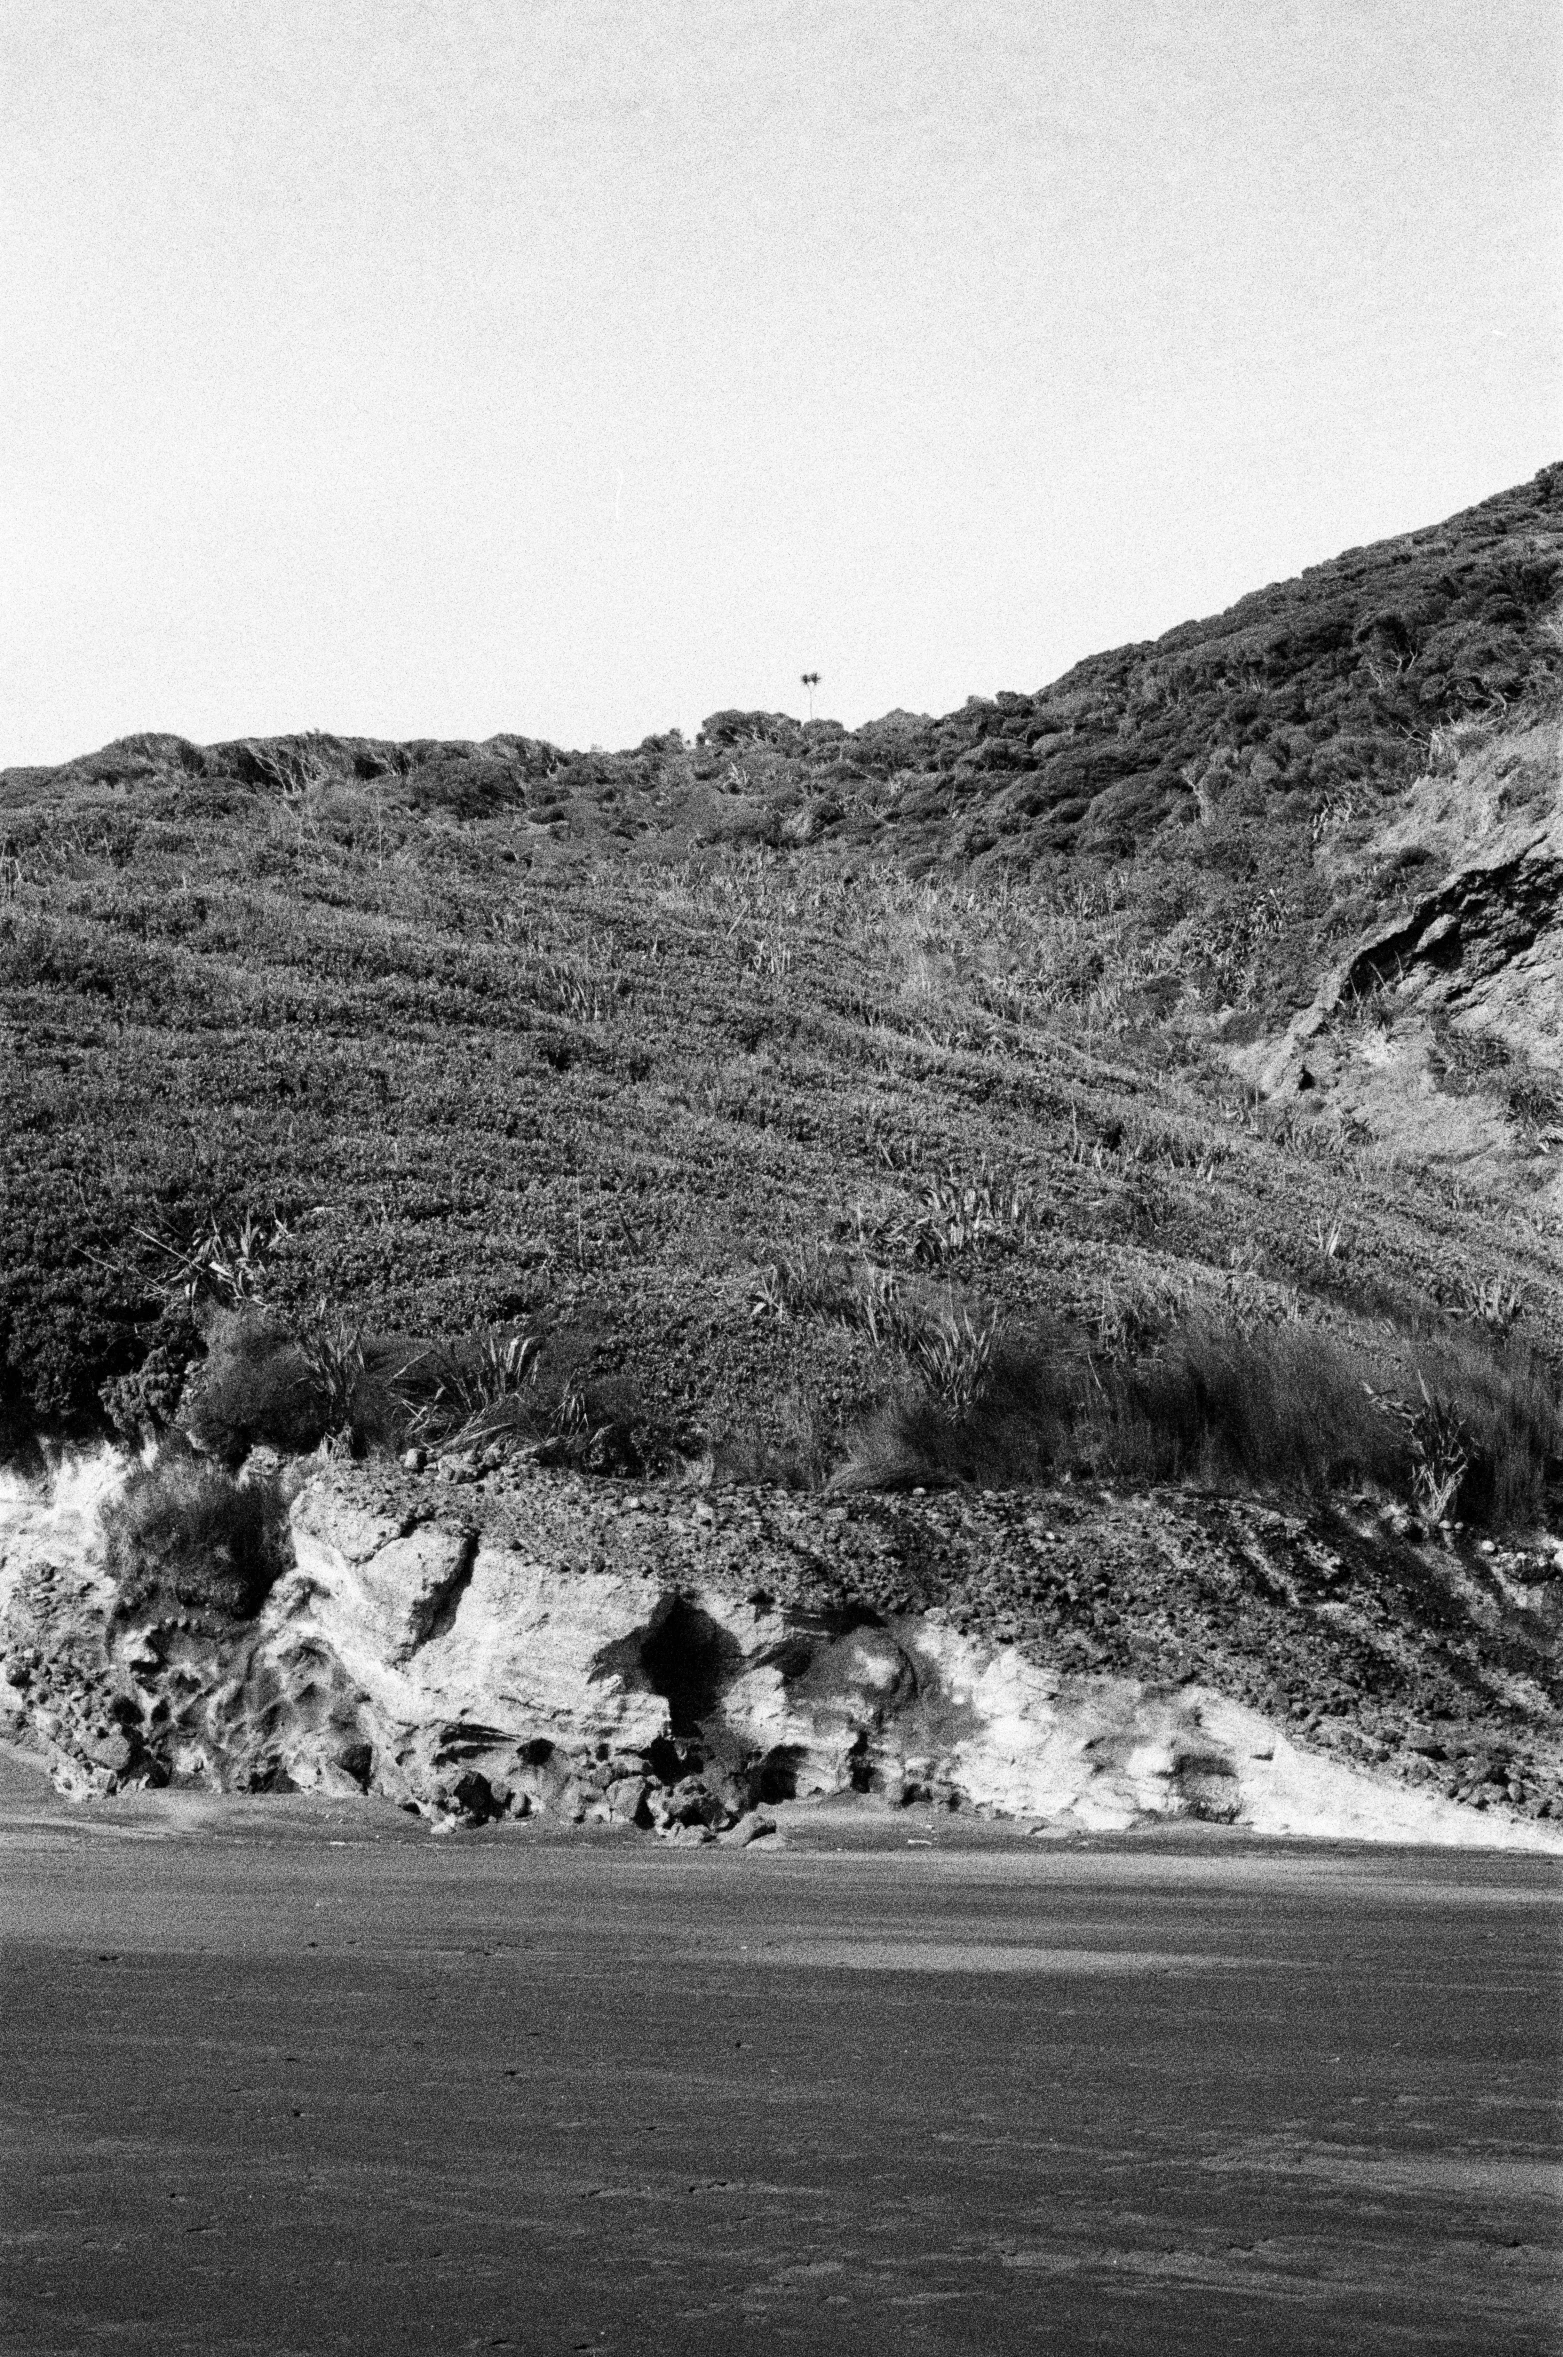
(185, 1533)
(1458, 1424)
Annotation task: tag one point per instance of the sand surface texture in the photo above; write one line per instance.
(343, 2086)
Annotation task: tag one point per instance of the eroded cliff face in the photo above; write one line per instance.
(566, 1659)
(1441, 1031)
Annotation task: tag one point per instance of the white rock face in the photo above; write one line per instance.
(521, 1651)
(53, 1526)
(403, 1659)
(1287, 1790)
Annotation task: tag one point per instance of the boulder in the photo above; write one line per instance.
(113, 1751)
(626, 1797)
(751, 1828)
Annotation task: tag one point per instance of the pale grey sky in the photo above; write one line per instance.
(433, 367)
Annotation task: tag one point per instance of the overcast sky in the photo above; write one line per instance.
(435, 367)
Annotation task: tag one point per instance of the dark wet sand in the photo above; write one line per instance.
(268, 2094)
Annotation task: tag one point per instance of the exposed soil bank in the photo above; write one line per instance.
(489, 1641)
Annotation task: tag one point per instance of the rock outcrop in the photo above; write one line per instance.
(549, 1647)
(1441, 1030)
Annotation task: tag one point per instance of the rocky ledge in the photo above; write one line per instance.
(480, 1638)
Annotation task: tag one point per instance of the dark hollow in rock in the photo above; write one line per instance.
(691, 1660)
(475, 1797)
(357, 1760)
(777, 1779)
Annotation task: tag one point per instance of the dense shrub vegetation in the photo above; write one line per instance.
(264, 1383)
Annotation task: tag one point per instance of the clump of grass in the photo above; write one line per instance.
(950, 1346)
(332, 1349)
(956, 1213)
(1491, 1298)
(256, 1387)
(552, 1390)
(1463, 1423)
(813, 1284)
(1440, 1441)
(520, 1385)
(1492, 1397)
(477, 1385)
(267, 1383)
(956, 1354)
(217, 1263)
(1014, 1428)
(184, 1531)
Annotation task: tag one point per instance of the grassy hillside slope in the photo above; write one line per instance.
(805, 1089)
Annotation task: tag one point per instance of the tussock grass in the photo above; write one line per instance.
(1283, 1407)
(795, 1450)
(256, 1388)
(183, 1528)
(1459, 1422)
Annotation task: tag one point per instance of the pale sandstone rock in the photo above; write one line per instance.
(498, 1674)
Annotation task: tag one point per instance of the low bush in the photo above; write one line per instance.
(265, 1383)
(256, 1388)
(184, 1531)
(142, 1405)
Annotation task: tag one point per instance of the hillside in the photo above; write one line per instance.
(475, 1032)
(1143, 1096)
